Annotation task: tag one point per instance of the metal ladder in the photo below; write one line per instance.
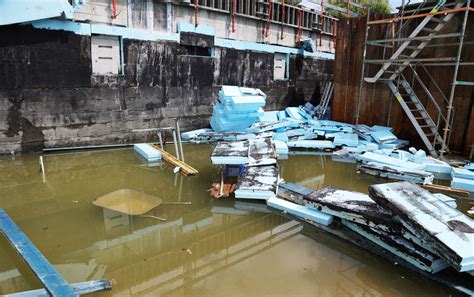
(327, 94)
(400, 58)
(417, 113)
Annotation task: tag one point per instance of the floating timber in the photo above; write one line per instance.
(185, 169)
(446, 190)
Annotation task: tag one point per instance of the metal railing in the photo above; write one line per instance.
(311, 20)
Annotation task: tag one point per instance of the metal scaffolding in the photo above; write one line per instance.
(411, 31)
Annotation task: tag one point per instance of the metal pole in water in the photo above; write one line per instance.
(176, 144)
(161, 139)
(41, 164)
(180, 143)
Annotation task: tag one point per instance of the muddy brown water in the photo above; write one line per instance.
(209, 248)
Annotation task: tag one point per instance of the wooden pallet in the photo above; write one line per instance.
(185, 168)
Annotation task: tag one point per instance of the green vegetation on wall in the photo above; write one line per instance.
(379, 6)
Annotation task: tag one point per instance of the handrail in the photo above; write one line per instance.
(425, 88)
(399, 32)
(433, 80)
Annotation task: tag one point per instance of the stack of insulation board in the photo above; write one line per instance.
(259, 180)
(423, 229)
(237, 108)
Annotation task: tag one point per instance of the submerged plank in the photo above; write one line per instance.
(53, 282)
(448, 231)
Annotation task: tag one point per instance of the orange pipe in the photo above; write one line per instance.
(114, 9)
(420, 15)
(322, 24)
(300, 23)
(234, 8)
(196, 8)
(334, 31)
(282, 17)
(270, 7)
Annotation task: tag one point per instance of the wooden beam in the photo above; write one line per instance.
(446, 190)
(185, 168)
(385, 21)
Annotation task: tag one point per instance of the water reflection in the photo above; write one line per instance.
(211, 247)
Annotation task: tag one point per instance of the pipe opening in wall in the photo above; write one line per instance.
(191, 50)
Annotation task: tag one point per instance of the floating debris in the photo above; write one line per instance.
(300, 211)
(153, 217)
(148, 152)
(128, 202)
(257, 182)
(463, 178)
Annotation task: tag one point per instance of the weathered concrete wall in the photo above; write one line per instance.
(152, 15)
(49, 97)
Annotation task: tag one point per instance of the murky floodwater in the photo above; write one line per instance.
(209, 248)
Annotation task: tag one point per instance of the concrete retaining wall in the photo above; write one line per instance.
(49, 97)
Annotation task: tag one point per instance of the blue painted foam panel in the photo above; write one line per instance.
(147, 151)
(44, 271)
(300, 211)
(463, 173)
(383, 136)
(463, 183)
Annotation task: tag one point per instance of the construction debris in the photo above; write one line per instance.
(148, 152)
(258, 180)
(302, 212)
(442, 229)
(463, 178)
(424, 230)
(237, 108)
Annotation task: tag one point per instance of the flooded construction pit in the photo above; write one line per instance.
(206, 248)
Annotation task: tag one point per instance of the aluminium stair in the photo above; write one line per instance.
(327, 94)
(403, 55)
(417, 113)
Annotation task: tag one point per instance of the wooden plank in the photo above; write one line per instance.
(83, 288)
(446, 190)
(54, 283)
(421, 15)
(185, 168)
